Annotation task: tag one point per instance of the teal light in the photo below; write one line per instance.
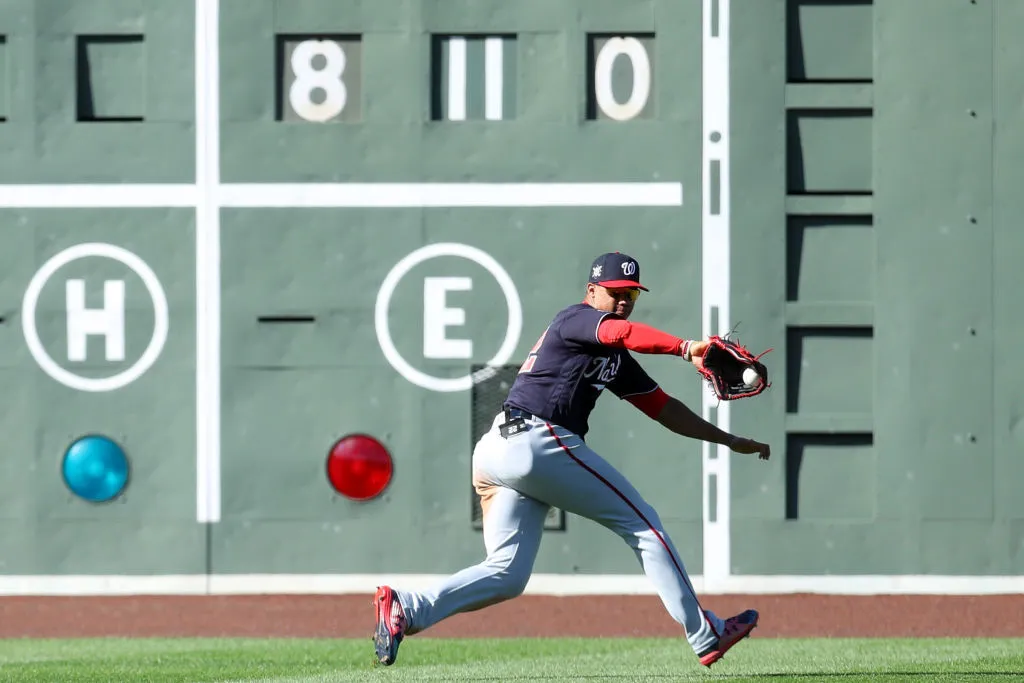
(95, 468)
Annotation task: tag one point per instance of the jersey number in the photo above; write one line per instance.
(527, 365)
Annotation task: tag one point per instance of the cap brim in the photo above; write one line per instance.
(623, 283)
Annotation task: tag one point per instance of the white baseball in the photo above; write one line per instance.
(751, 378)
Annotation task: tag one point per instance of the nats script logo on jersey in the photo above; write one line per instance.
(568, 368)
(601, 371)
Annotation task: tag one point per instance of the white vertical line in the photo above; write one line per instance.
(456, 79)
(494, 71)
(207, 68)
(715, 276)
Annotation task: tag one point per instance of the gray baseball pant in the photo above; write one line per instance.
(518, 480)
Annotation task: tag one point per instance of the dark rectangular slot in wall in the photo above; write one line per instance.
(829, 151)
(475, 85)
(285, 319)
(852, 258)
(437, 77)
(486, 398)
(485, 401)
(796, 444)
(285, 75)
(592, 109)
(110, 78)
(4, 95)
(829, 41)
(795, 338)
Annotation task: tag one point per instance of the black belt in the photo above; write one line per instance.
(515, 422)
(511, 413)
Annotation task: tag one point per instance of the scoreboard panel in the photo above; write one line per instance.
(326, 332)
(313, 93)
(348, 208)
(304, 363)
(97, 92)
(102, 342)
(236, 231)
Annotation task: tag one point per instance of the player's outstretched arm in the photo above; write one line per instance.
(641, 338)
(678, 418)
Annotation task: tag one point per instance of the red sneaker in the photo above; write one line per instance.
(391, 625)
(736, 629)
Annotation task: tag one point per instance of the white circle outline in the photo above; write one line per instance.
(387, 290)
(31, 300)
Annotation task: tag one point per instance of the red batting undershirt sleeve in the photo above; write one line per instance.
(639, 337)
(650, 403)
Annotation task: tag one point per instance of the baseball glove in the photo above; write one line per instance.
(723, 365)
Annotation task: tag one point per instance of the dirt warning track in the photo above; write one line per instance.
(342, 616)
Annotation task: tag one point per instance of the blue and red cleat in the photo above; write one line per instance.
(391, 625)
(736, 629)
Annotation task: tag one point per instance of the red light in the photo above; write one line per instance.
(359, 467)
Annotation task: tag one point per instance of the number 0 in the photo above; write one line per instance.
(641, 64)
(328, 79)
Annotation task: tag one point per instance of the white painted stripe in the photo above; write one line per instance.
(97, 196)
(456, 79)
(870, 585)
(340, 195)
(715, 277)
(189, 584)
(415, 195)
(494, 78)
(208, 408)
(540, 584)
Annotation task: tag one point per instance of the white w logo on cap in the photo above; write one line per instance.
(629, 267)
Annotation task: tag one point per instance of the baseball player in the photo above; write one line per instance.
(534, 456)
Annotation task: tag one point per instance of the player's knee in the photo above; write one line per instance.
(512, 583)
(646, 521)
(511, 576)
(649, 517)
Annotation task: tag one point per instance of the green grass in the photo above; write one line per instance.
(435, 659)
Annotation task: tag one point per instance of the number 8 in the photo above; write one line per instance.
(327, 79)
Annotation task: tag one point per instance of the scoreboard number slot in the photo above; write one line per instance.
(473, 77)
(308, 78)
(319, 78)
(621, 77)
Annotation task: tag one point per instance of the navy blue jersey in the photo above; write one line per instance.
(568, 368)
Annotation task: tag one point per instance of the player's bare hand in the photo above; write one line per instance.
(749, 447)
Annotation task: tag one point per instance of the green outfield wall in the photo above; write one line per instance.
(234, 233)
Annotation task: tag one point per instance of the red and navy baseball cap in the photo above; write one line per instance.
(616, 270)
